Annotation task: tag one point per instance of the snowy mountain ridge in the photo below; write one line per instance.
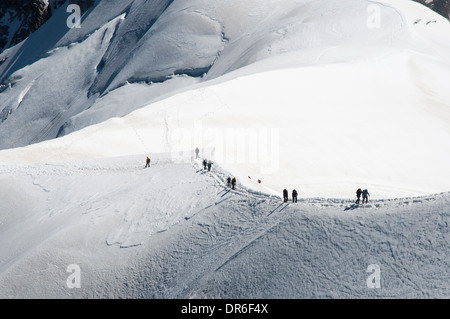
(183, 59)
(19, 13)
(177, 231)
(322, 97)
(389, 61)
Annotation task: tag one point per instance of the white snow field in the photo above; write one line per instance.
(320, 96)
(176, 231)
(314, 96)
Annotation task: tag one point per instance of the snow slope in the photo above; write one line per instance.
(302, 99)
(175, 231)
(156, 43)
(347, 105)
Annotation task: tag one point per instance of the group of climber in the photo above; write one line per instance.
(364, 193)
(231, 182)
(207, 165)
(286, 197)
(365, 196)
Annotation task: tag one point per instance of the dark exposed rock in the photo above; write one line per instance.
(20, 18)
(440, 6)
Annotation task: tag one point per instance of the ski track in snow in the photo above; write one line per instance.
(177, 231)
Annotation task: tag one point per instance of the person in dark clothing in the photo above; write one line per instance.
(233, 182)
(285, 195)
(366, 195)
(209, 165)
(294, 196)
(358, 195)
(229, 181)
(147, 162)
(204, 163)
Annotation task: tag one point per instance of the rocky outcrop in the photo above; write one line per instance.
(440, 6)
(19, 18)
